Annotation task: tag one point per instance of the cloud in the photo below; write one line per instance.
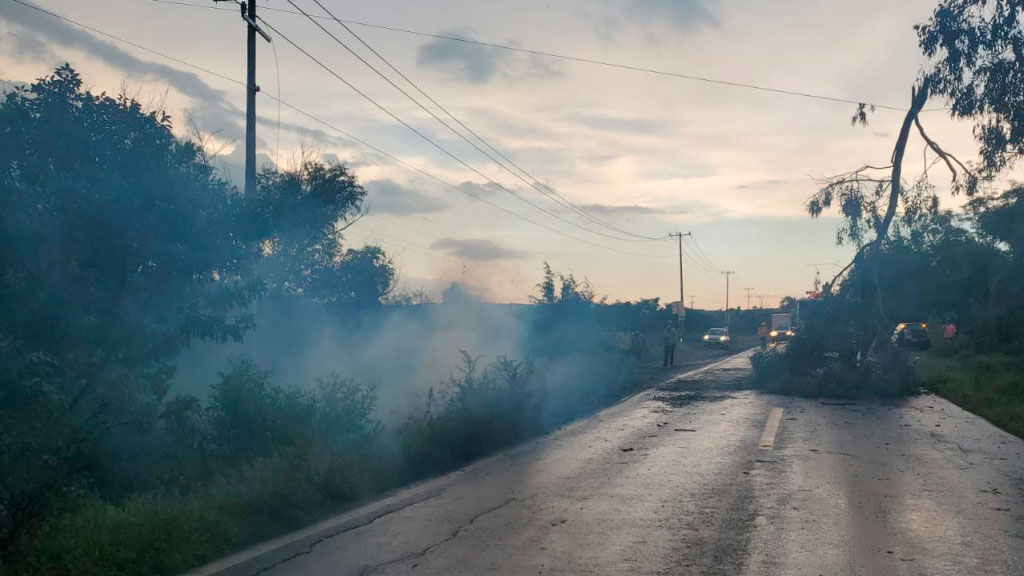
(623, 124)
(682, 14)
(212, 106)
(626, 210)
(677, 15)
(768, 183)
(478, 64)
(390, 197)
(477, 249)
(486, 189)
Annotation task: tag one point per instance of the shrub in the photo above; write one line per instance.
(481, 411)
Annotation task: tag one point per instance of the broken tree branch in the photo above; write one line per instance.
(919, 96)
(948, 158)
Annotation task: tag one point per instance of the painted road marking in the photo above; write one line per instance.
(771, 428)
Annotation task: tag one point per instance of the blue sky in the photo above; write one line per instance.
(649, 154)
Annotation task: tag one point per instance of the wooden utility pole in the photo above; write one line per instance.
(748, 297)
(682, 301)
(727, 273)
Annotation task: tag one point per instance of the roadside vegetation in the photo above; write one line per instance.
(121, 248)
(990, 384)
(917, 261)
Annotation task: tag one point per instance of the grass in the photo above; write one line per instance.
(990, 385)
(167, 533)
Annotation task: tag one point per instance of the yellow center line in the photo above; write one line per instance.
(771, 428)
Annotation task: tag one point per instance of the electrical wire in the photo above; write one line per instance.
(277, 71)
(565, 203)
(532, 182)
(585, 60)
(703, 254)
(340, 131)
(426, 138)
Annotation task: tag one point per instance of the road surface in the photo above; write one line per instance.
(708, 483)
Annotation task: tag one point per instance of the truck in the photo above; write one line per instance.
(782, 327)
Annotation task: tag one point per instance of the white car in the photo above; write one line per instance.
(717, 337)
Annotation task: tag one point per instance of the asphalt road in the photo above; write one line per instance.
(670, 482)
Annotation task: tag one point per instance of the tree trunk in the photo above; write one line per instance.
(918, 98)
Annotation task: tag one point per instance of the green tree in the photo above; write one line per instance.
(118, 247)
(976, 64)
(976, 53)
(300, 217)
(117, 242)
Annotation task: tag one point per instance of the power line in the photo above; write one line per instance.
(458, 189)
(585, 60)
(533, 182)
(435, 116)
(426, 138)
(336, 129)
(704, 255)
(696, 261)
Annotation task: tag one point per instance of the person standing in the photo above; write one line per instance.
(949, 331)
(762, 333)
(669, 338)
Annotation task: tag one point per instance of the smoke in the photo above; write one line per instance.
(402, 350)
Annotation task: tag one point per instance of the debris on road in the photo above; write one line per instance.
(677, 400)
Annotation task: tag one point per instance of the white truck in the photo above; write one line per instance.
(782, 327)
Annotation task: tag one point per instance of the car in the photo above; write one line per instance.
(717, 337)
(911, 336)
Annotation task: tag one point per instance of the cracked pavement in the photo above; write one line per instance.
(655, 486)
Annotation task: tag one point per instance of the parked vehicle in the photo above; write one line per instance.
(717, 337)
(911, 336)
(782, 327)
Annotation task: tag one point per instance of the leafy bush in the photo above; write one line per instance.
(259, 460)
(167, 533)
(480, 411)
(46, 446)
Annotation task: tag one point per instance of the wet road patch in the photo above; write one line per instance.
(679, 399)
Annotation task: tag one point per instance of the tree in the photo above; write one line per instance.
(118, 247)
(118, 243)
(977, 64)
(361, 278)
(300, 217)
(546, 287)
(976, 56)
(787, 304)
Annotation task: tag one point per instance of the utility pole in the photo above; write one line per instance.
(693, 299)
(251, 88)
(761, 300)
(748, 297)
(727, 273)
(682, 301)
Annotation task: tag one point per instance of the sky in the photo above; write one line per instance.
(643, 153)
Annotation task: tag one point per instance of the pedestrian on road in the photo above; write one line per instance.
(762, 333)
(670, 338)
(949, 331)
(638, 345)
